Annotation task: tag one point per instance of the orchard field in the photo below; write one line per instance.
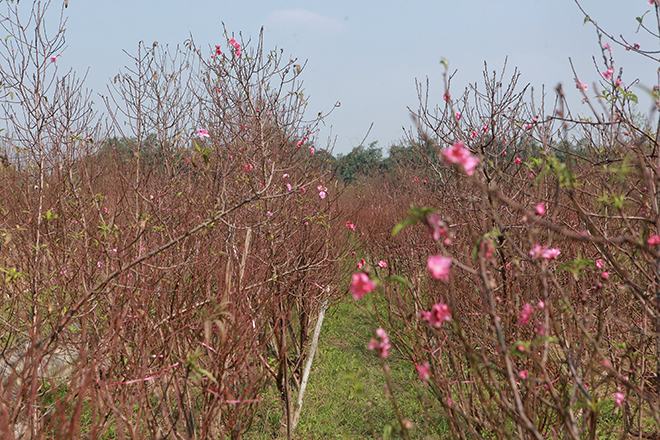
(194, 263)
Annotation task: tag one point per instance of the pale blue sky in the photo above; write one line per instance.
(367, 54)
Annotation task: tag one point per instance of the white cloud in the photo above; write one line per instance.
(302, 20)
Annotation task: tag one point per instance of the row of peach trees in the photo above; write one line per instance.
(161, 265)
(528, 300)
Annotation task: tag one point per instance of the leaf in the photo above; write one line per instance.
(387, 432)
(206, 373)
(402, 224)
(416, 215)
(398, 279)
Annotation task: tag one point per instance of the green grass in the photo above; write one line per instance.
(346, 397)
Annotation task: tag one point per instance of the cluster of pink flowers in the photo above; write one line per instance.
(350, 226)
(361, 285)
(439, 313)
(619, 398)
(247, 167)
(518, 160)
(383, 347)
(526, 314)
(322, 191)
(653, 240)
(237, 47)
(439, 266)
(382, 264)
(458, 154)
(361, 263)
(438, 228)
(202, 133)
(423, 370)
(543, 252)
(608, 74)
(581, 85)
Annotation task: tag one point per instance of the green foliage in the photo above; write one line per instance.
(416, 215)
(359, 162)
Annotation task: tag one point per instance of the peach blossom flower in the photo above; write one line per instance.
(526, 314)
(544, 252)
(439, 267)
(383, 347)
(423, 370)
(653, 240)
(439, 313)
(540, 209)
(619, 398)
(457, 153)
(202, 133)
(361, 285)
(382, 264)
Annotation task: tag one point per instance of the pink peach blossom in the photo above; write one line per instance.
(439, 266)
(439, 313)
(543, 253)
(382, 347)
(540, 209)
(619, 398)
(457, 153)
(653, 240)
(436, 225)
(526, 314)
(423, 370)
(361, 285)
